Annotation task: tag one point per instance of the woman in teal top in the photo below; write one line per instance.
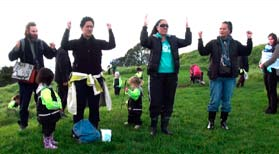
(162, 69)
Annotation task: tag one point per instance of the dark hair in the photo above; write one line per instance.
(84, 20)
(45, 75)
(16, 97)
(154, 30)
(274, 37)
(230, 27)
(139, 69)
(27, 28)
(135, 80)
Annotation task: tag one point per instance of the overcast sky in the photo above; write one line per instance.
(127, 16)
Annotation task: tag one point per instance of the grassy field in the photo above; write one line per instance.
(251, 131)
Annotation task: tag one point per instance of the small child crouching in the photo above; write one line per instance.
(134, 102)
(14, 103)
(48, 107)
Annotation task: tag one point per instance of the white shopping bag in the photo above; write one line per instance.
(106, 135)
(72, 99)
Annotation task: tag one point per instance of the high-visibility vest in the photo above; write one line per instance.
(51, 102)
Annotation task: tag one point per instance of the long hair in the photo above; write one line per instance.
(27, 28)
(274, 37)
(154, 30)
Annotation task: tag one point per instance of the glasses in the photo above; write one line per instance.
(164, 25)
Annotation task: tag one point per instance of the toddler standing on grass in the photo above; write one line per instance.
(48, 107)
(134, 102)
(117, 83)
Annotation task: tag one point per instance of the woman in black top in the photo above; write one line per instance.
(162, 69)
(87, 52)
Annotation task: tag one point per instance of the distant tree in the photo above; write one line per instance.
(134, 57)
(5, 76)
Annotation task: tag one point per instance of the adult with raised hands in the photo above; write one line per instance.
(163, 68)
(223, 70)
(30, 50)
(86, 75)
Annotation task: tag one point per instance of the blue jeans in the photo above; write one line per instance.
(221, 90)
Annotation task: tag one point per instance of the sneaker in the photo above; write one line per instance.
(137, 126)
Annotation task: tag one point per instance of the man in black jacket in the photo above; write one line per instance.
(62, 73)
(30, 50)
(87, 52)
(223, 69)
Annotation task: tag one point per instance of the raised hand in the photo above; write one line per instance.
(17, 44)
(52, 45)
(249, 34)
(145, 20)
(69, 25)
(200, 34)
(187, 25)
(109, 25)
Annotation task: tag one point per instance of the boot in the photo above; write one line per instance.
(48, 144)
(52, 140)
(224, 117)
(153, 129)
(164, 125)
(211, 118)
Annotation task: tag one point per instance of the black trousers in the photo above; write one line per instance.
(48, 127)
(241, 80)
(25, 92)
(162, 88)
(134, 117)
(63, 94)
(85, 96)
(117, 90)
(270, 81)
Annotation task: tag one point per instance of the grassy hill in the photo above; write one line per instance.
(251, 130)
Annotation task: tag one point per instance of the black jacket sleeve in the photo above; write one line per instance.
(64, 66)
(204, 51)
(187, 41)
(108, 45)
(65, 43)
(48, 52)
(14, 54)
(145, 41)
(245, 50)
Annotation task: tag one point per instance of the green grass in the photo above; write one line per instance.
(251, 130)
